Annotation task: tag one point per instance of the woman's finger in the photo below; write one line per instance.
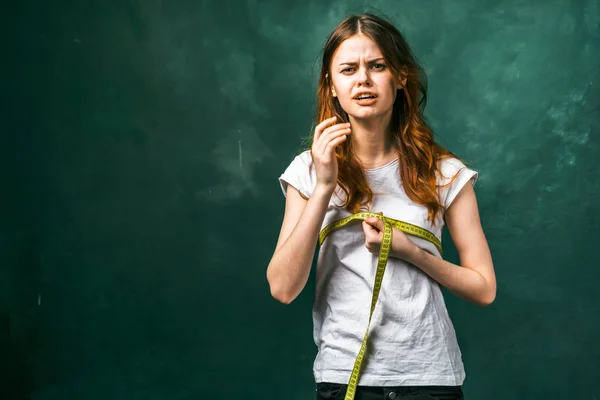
(330, 148)
(327, 138)
(322, 132)
(375, 222)
(333, 128)
(322, 126)
(342, 130)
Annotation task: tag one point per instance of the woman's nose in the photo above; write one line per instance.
(363, 76)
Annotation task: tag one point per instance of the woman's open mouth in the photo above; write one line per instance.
(365, 99)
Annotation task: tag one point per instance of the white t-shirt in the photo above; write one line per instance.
(411, 339)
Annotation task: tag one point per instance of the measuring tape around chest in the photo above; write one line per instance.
(384, 252)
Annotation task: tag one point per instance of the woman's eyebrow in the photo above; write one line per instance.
(368, 62)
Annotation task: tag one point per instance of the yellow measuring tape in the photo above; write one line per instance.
(384, 253)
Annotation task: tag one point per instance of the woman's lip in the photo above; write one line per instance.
(366, 102)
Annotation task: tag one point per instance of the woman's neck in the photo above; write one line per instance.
(371, 142)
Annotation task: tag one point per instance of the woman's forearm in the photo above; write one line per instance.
(464, 282)
(289, 268)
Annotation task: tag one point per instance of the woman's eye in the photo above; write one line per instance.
(376, 66)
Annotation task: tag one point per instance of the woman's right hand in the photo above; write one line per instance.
(327, 136)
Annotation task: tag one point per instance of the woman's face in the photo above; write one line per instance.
(358, 67)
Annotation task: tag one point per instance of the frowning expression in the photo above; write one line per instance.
(362, 80)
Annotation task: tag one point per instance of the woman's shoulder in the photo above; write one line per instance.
(450, 163)
(453, 175)
(450, 166)
(304, 157)
(299, 174)
(302, 162)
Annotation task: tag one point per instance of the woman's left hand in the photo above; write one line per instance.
(402, 246)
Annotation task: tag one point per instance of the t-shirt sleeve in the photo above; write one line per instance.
(299, 174)
(450, 167)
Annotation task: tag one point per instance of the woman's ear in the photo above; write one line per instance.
(330, 85)
(402, 78)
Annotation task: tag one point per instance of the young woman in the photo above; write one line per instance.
(375, 171)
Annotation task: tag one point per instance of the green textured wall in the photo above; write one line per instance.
(141, 146)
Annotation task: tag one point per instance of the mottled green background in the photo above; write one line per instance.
(141, 146)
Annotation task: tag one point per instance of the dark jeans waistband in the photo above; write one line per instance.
(337, 391)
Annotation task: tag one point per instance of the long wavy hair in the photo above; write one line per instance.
(412, 138)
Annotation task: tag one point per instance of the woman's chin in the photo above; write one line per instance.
(365, 115)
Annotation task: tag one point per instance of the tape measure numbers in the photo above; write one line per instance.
(384, 253)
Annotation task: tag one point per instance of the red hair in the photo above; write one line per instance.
(412, 138)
